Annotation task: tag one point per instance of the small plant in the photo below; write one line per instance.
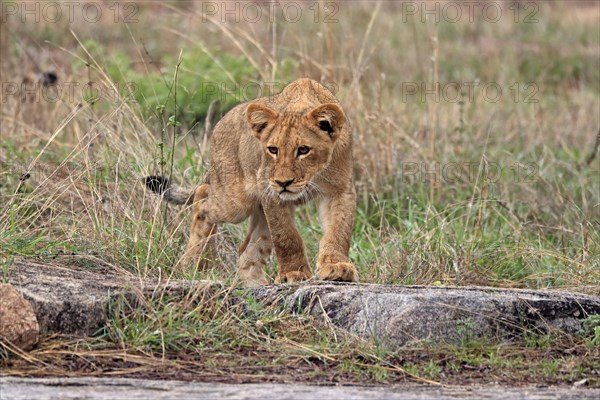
(591, 326)
(6, 262)
(431, 370)
(465, 329)
(539, 340)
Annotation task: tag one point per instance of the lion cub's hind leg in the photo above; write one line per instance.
(200, 248)
(255, 251)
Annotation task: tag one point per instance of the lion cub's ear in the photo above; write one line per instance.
(329, 118)
(259, 117)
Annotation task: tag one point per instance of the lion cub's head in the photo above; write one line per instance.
(296, 145)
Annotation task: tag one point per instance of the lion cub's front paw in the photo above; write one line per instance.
(292, 276)
(339, 271)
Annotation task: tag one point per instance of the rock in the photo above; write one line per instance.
(18, 323)
(400, 315)
(76, 302)
(17, 388)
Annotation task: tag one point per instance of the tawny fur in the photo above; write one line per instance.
(247, 180)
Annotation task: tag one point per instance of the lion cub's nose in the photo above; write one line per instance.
(284, 184)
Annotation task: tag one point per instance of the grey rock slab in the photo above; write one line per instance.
(75, 300)
(133, 389)
(400, 315)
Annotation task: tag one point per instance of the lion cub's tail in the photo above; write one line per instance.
(170, 193)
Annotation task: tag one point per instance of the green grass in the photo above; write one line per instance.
(468, 192)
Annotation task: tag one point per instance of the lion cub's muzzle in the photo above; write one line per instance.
(287, 189)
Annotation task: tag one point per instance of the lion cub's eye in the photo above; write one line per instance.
(303, 150)
(272, 150)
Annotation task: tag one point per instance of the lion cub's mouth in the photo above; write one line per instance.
(289, 195)
(290, 192)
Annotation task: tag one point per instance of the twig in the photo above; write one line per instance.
(594, 152)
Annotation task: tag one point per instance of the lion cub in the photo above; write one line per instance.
(269, 156)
